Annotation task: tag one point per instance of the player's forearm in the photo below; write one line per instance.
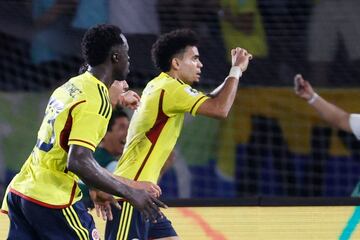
(93, 175)
(126, 181)
(222, 99)
(217, 90)
(332, 114)
(226, 96)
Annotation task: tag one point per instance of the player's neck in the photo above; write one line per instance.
(175, 74)
(172, 74)
(101, 72)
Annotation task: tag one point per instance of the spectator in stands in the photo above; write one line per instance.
(53, 39)
(333, 24)
(285, 23)
(89, 13)
(241, 24)
(135, 16)
(140, 22)
(157, 123)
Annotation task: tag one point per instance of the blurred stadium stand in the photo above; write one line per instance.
(271, 145)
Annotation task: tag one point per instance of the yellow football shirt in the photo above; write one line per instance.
(155, 127)
(77, 113)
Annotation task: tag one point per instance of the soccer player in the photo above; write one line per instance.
(156, 124)
(43, 198)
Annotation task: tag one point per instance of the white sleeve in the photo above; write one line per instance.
(354, 121)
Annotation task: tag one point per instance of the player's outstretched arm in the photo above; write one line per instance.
(328, 111)
(223, 96)
(81, 162)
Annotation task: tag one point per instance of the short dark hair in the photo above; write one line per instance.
(170, 44)
(117, 112)
(98, 41)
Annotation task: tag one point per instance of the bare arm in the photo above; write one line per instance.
(82, 163)
(332, 114)
(222, 98)
(219, 105)
(149, 187)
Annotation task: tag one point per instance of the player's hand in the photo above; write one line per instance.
(130, 99)
(240, 57)
(302, 87)
(149, 187)
(148, 205)
(102, 202)
(116, 90)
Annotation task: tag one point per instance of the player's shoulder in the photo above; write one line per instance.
(169, 82)
(94, 93)
(98, 101)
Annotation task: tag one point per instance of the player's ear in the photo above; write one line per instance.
(114, 57)
(175, 64)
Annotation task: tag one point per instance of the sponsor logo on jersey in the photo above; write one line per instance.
(191, 91)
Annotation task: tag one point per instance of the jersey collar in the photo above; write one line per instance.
(165, 75)
(92, 78)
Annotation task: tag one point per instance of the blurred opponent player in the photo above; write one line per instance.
(332, 114)
(156, 124)
(337, 117)
(43, 199)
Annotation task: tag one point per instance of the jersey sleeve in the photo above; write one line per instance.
(185, 99)
(354, 121)
(88, 127)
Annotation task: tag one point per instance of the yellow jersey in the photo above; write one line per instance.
(77, 113)
(155, 127)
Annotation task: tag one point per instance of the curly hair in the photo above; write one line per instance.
(98, 41)
(170, 44)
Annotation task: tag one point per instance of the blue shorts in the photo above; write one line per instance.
(128, 223)
(32, 221)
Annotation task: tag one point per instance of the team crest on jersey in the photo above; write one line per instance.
(191, 91)
(95, 234)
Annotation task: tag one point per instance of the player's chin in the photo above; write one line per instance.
(197, 78)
